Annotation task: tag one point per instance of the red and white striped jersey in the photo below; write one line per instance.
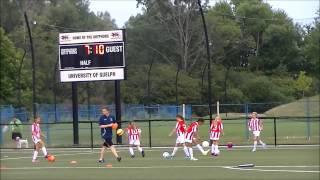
(180, 128)
(193, 127)
(133, 134)
(35, 128)
(254, 124)
(216, 126)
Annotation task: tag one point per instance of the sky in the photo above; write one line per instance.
(301, 11)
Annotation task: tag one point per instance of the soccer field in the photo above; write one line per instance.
(288, 132)
(300, 163)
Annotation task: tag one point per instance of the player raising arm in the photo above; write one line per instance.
(255, 125)
(106, 122)
(134, 135)
(36, 138)
(192, 134)
(216, 129)
(179, 129)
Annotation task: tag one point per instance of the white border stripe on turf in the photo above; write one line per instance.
(271, 170)
(162, 167)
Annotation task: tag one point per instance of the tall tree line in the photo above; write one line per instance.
(258, 54)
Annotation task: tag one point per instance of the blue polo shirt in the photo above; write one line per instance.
(105, 120)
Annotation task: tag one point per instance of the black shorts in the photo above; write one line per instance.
(107, 142)
(15, 135)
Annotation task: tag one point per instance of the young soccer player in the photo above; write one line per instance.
(134, 134)
(192, 134)
(36, 138)
(216, 129)
(106, 122)
(255, 125)
(180, 130)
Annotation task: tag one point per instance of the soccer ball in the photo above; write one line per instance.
(205, 144)
(120, 132)
(51, 158)
(166, 155)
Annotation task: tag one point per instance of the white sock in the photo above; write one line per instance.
(175, 149)
(131, 151)
(44, 150)
(191, 152)
(35, 155)
(186, 152)
(200, 148)
(140, 148)
(18, 143)
(262, 143)
(254, 144)
(213, 148)
(217, 149)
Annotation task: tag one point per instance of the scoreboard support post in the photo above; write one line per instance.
(75, 113)
(118, 107)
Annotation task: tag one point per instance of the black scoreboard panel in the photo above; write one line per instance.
(91, 56)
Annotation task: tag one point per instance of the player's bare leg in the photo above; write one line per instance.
(114, 152)
(175, 149)
(44, 150)
(200, 148)
(254, 143)
(215, 148)
(35, 152)
(185, 149)
(131, 151)
(141, 150)
(189, 145)
(261, 142)
(101, 159)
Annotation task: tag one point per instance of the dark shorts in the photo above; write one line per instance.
(107, 142)
(15, 135)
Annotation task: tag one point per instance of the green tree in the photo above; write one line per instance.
(303, 83)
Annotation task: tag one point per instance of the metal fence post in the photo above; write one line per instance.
(275, 131)
(149, 121)
(308, 119)
(246, 110)
(91, 135)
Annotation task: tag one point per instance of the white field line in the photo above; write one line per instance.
(160, 167)
(272, 170)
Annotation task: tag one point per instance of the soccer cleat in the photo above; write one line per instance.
(35, 161)
(213, 154)
(119, 159)
(46, 156)
(132, 156)
(264, 146)
(205, 153)
(254, 150)
(101, 161)
(143, 154)
(193, 159)
(187, 157)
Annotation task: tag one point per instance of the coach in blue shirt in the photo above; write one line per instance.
(106, 122)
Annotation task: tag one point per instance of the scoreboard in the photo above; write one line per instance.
(92, 56)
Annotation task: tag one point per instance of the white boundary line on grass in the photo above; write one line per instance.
(273, 170)
(169, 167)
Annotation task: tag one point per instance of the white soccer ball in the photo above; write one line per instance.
(166, 155)
(205, 144)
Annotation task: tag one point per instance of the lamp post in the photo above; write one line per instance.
(33, 67)
(208, 58)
